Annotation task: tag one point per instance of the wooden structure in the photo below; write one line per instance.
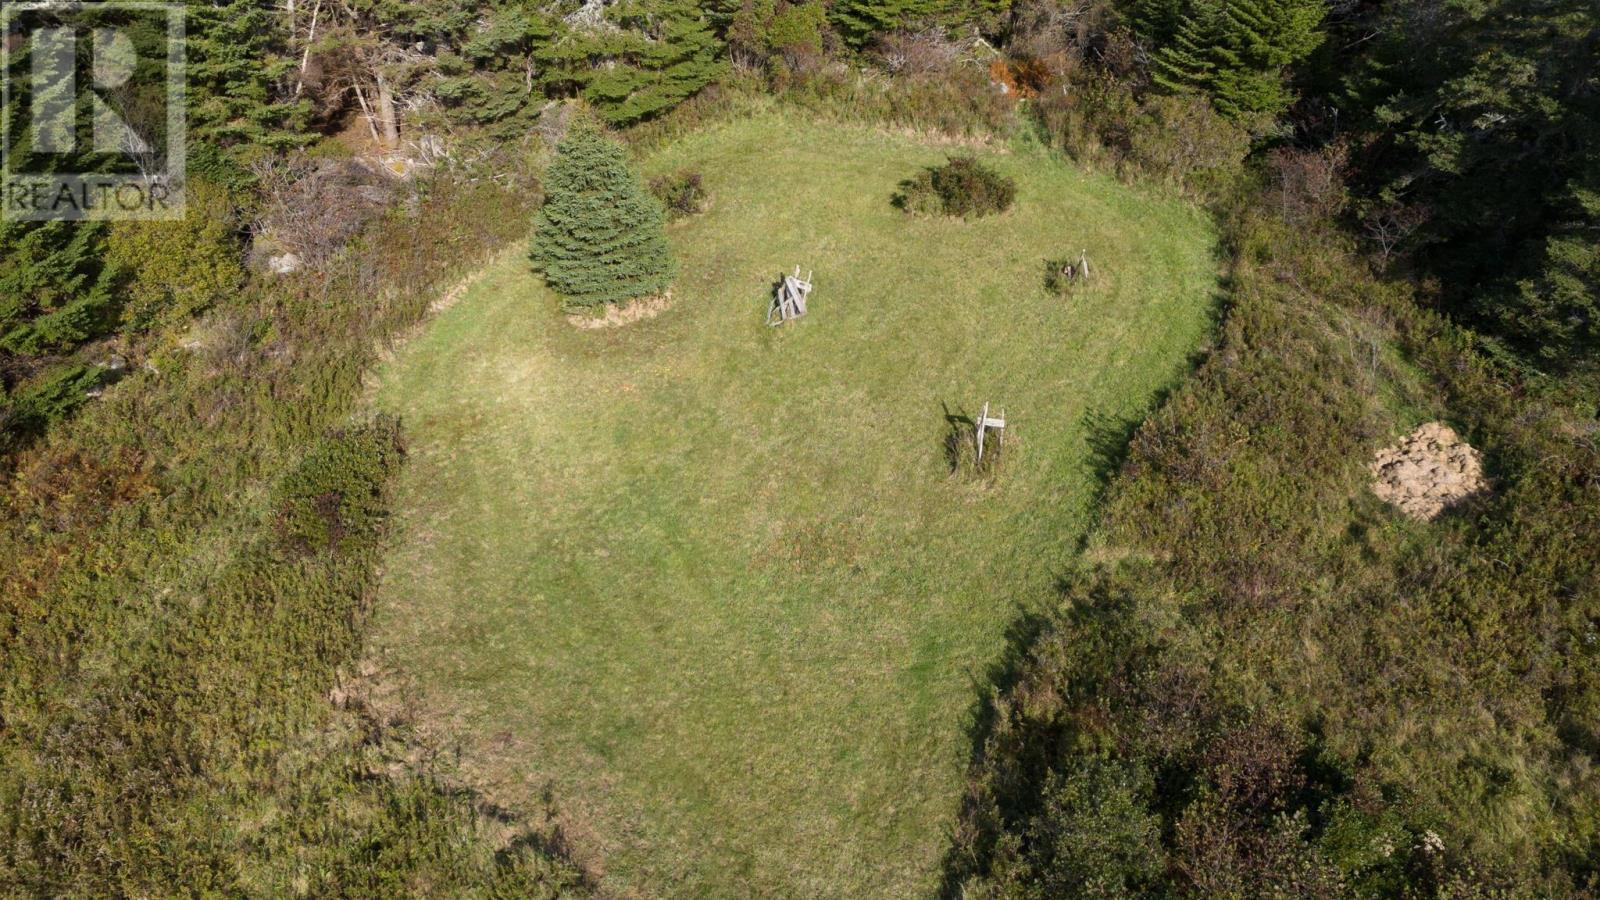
(790, 300)
(984, 423)
(1075, 272)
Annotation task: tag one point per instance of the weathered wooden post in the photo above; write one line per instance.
(984, 423)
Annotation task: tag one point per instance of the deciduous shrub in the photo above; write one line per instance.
(1063, 274)
(961, 187)
(313, 207)
(682, 193)
(796, 33)
(334, 499)
(954, 100)
(599, 237)
(1095, 836)
(1101, 116)
(916, 52)
(1307, 186)
(1182, 138)
(786, 34)
(175, 269)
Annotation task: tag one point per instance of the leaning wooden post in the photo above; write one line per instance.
(982, 418)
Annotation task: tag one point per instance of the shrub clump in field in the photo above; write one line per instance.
(682, 193)
(1063, 274)
(175, 269)
(961, 187)
(599, 238)
(334, 500)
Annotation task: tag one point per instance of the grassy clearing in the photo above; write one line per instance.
(711, 584)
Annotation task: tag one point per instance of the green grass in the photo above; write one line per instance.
(711, 584)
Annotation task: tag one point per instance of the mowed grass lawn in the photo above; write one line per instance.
(710, 584)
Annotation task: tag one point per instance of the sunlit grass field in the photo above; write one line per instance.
(709, 585)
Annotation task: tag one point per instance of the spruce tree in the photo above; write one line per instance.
(600, 237)
(650, 56)
(860, 21)
(238, 64)
(1490, 120)
(1235, 51)
(55, 290)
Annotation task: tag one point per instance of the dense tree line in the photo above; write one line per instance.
(1479, 123)
(1470, 128)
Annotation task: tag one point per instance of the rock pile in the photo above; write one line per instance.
(1427, 471)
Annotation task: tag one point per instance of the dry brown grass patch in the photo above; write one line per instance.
(616, 316)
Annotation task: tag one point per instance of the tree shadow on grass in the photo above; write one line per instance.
(961, 861)
(548, 842)
(1109, 436)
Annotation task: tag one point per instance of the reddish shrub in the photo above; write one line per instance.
(1308, 185)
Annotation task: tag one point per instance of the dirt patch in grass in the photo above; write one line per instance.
(617, 316)
(1428, 471)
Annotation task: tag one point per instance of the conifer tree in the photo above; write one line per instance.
(1555, 318)
(653, 55)
(600, 237)
(1236, 51)
(237, 64)
(862, 20)
(55, 290)
(1490, 119)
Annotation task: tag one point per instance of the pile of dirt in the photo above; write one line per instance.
(1427, 471)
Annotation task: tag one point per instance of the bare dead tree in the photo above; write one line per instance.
(1389, 226)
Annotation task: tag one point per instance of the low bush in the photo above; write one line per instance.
(178, 655)
(313, 207)
(175, 269)
(916, 52)
(334, 499)
(1063, 274)
(1100, 118)
(682, 193)
(1309, 757)
(1184, 140)
(1094, 836)
(961, 187)
(955, 100)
